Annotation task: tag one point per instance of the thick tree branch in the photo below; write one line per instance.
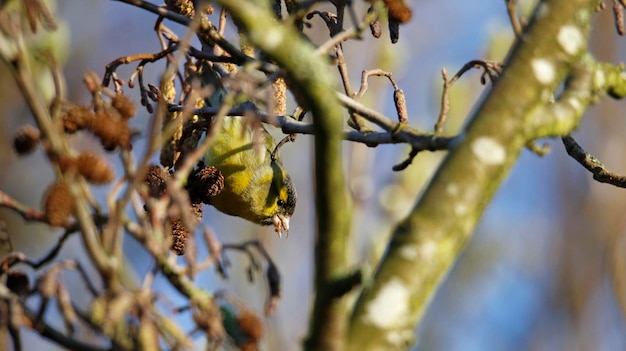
(312, 83)
(426, 244)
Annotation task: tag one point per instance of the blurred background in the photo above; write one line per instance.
(542, 269)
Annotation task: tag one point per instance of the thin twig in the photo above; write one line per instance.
(407, 162)
(491, 69)
(592, 164)
(373, 72)
(618, 13)
(511, 9)
(399, 134)
(445, 103)
(285, 140)
(49, 332)
(112, 66)
(15, 258)
(26, 212)
(539, 150)
(212, 32)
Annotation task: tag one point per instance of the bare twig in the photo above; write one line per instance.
(272, 274)
(618, 13)
(404, 164)
(373, 72)
(511, 9)
(49, 332)
(592, 164)
(398, 94)
(27, 213)
(15, 258)
(211, 31)
(112, 66)
(398, 133)
(491, 69)
(283, 141)
(445, 103)
(539, 150)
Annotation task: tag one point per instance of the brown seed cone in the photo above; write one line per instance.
(113, 132)
(76, 118)
(180, 232)
(95, 169)
(124, 105)
(26, 140)
(155, 179)
(184, 7)
(59, 204)
(67, 165)
(204, 184)
(179, 236)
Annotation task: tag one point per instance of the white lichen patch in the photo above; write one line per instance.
(460, 208)
(428, 250)
(560, 112)
(452, 189)
(400, 338)
(575, 103)
(488, 151)
(390, 306)
(273, 38)
(544, 70)
(599, 79)
(571, 39)
(409, 252)
(582, 16)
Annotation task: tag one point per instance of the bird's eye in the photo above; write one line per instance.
(280, 202)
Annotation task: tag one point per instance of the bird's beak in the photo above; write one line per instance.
(281, 222)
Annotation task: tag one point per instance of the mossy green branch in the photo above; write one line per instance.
(586, 84)
(309, 78)
(426, 244)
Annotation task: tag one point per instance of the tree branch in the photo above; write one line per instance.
(587, 82)
(425, 245)
(312, 84)
(592, 164)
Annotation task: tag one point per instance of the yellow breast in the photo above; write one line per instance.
(243, 166)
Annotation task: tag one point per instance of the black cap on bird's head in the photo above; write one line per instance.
(285, 201)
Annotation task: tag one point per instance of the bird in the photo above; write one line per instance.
(257, 187)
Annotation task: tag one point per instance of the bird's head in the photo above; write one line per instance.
(281, 201)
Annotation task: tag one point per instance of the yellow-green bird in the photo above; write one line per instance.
(256, 186)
